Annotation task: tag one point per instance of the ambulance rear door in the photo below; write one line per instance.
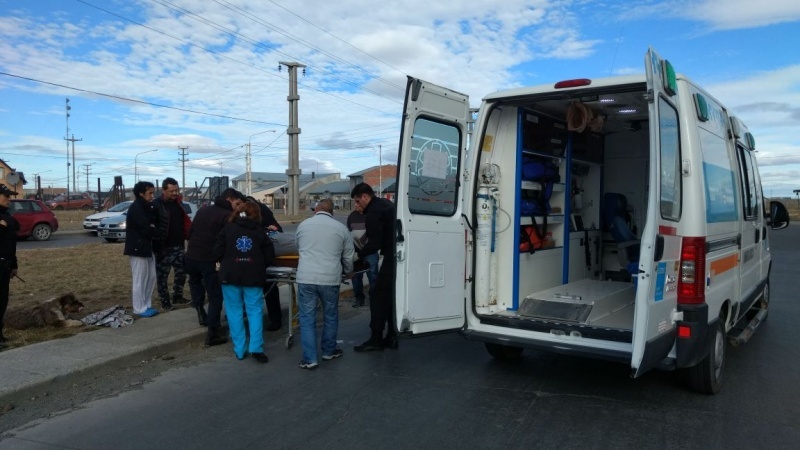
(430, 232)
(654, 328)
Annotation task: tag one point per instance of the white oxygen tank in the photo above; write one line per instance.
(483, 249)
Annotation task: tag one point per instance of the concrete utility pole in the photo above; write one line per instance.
(183, 165)
(66, 138)
(248, 169)
(74, 178)
(86, 169)
(293, 132)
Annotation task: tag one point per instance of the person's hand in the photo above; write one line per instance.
(272, 228)
(3, 223)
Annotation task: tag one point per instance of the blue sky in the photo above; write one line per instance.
(220, 57)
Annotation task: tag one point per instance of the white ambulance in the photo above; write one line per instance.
(650, 245)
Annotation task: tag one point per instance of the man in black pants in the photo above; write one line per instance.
(380, 215)
(200, 264)
(271, 295)
(8, 252)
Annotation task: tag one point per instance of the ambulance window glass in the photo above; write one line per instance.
(670, 162)
(749, 193)
(433, 168)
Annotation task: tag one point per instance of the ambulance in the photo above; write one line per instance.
(648, 243)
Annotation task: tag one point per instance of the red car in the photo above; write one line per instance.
(35, 219)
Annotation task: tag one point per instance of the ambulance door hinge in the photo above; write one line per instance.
(649, 96)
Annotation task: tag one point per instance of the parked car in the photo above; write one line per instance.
(90, 222)
(35, 219)
(113, 229)
(73, 201)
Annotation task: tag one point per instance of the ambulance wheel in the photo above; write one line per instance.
(503, 352)
(706, 376)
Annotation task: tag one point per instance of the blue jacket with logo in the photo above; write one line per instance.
(244, 252)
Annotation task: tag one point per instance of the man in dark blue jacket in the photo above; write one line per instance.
(201, 266)
(173, 226)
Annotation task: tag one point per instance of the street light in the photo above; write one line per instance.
(248, 167)
(135, 165)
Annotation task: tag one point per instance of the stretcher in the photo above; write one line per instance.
(284, 270)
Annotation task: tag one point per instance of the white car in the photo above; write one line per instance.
(113, 228)
(91, 222)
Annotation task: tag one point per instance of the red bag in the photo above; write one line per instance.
(533, 238)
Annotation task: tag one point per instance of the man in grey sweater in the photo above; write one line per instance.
(326, 252)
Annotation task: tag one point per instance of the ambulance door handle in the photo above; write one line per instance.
(758, 236)
(399, 228)
(659, 253)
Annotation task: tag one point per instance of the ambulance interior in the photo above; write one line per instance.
(575, 271)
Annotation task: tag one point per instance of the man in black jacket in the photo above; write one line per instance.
(379, 223)
(271, 294)
(200, 264)
(8, 252)
(173, 226)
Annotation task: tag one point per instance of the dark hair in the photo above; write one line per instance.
(252, 199)
(232, 193)
(167, 181)
(142, 187)
(251, 210)
(361, 189)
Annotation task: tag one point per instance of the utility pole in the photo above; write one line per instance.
(380, 171)
(66, 137)
(293, 131)
(74, 178)
(86, 169)
(183, 166)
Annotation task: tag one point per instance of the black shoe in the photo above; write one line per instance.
(179, 300)
(166, 305)
(371, 345)
(273, 326)
(391, 342)
(260, 357)
(358, 303)
(3, 339)
(215, 339)
(202, 317)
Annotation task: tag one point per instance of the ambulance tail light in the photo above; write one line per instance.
(573, 83)
(692, 279)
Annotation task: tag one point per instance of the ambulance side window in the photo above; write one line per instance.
(433, 168)
(749, 192)
(671, 179)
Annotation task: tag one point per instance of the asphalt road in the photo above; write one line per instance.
(444, 392)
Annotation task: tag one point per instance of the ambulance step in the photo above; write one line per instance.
(744, 334)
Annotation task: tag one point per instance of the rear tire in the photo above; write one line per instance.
(86, 207)
(59, 208)
(112, 239)
(706, 377)
(41, 232)
(764, 302)
(503, 352)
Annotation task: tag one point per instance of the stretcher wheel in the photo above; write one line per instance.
(289, 341)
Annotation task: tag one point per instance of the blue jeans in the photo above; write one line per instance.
(238, 301)
(307, 296)
(372, 277)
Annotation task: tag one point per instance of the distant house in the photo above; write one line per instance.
(13, 179)
(381, 178)
(270, 187)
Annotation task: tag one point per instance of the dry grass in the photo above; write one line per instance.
(73, 220)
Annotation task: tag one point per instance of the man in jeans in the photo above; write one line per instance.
(326, 252)
(356, 223)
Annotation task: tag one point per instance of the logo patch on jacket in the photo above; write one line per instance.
(244, 244)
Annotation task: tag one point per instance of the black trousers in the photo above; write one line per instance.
(5, 278)
(204, 279)
(273, 299)
(381, 305)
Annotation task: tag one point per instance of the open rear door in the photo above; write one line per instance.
(656, 294)
(429, 288)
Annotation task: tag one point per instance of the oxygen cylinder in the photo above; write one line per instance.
(483, 249)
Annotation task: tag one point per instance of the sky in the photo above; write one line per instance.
(204, 75)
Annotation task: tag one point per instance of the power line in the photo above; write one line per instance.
(139, 101)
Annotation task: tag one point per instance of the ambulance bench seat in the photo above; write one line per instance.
(614, 221)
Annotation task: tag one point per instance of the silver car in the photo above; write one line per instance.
(113, 229)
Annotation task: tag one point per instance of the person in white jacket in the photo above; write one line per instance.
(326, 252)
